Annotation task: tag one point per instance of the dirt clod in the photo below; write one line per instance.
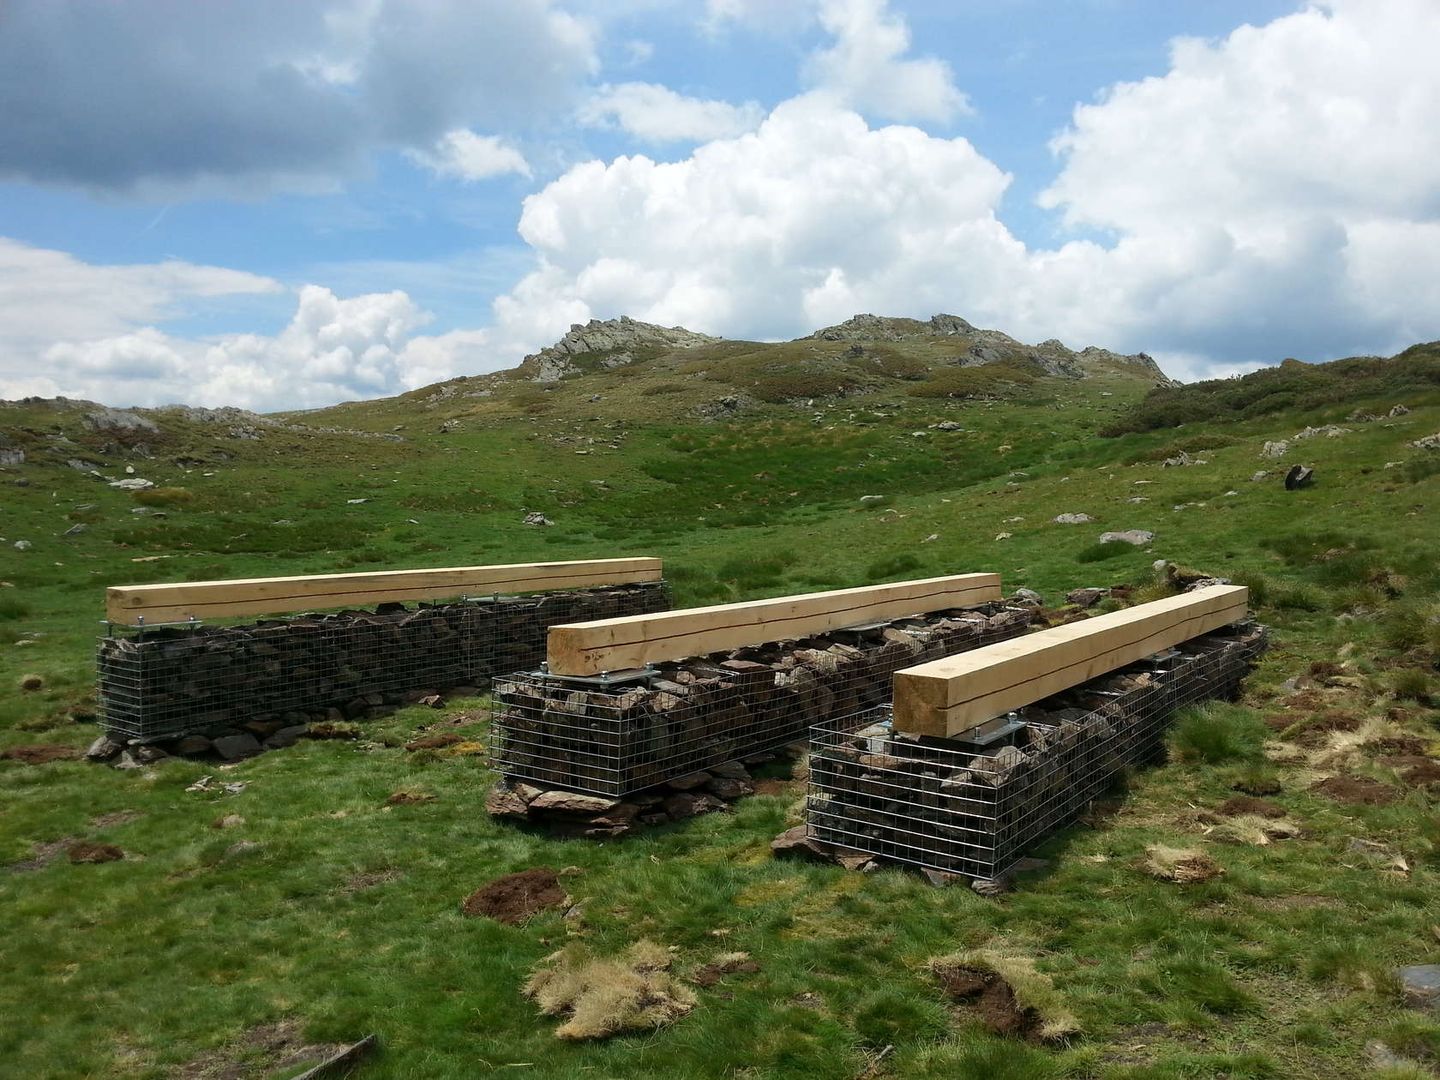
(1356, 791)
(738, 963)
(1415, 769)
(1245, 804)
(40, 755)
(88, 851)
(409, 798)
(515, 897)
(435, 742)
(31, 683)
(994, 1000)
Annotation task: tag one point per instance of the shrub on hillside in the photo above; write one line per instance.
(165, 496)
(987, 381)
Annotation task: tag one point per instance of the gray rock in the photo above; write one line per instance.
(75, 530)
(23, 545)
(103, 749)
(692, 780)
(1028, 596)
(570, 802)
(942, 879)
(286, 736)
(1138, 537)
(150, 755)
(118, 420)
(1420, 983)
(191, 745)
(132, 483)
(730, 770)
(242, 848)
(128, 760)
(236, 747)
(948, 425)
(1263, 474)
(1429, 442)
(872, 498)
(537, 518)
(730, 789)
(11, 456)
(1086, 598)
(616, 338)
(1073, 519)
(1276, 449)
(1398, 410)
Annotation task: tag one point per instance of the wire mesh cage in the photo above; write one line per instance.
(163, 682)
(613, 736)
(972, 806)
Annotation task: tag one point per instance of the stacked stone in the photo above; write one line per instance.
(948, 805)
(570, 813)
(172, 681)
(555, 733)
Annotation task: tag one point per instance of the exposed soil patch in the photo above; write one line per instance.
(1415, 769)
(1356, 791)
(1408, 745)
(88, 851)
(1258, 785)
(515, 897)
(368, 879)
(115, 817)
(1245, 804)
(732, 964)
(262, 1051)
(993, 1000)
(41, 754)
(408, 798)
(435, 742)
(45, 854)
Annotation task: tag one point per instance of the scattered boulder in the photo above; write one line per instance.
(1086, 598)
(1429, 442)
(103, 748)
(1298, 477)
(118, 420)
(132, 483)
(1329, 431)
(1276, 449)
(1137, 537)
(1072, 519)
(1420, 983)
(1028, 596)
(286, 736)
(536, 518)
(23, 545)
(1397, 410)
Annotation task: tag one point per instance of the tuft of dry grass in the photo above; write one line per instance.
(1256, 830)
(604, 996)
(1185, 866)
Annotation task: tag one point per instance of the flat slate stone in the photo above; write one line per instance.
(235, 747)
(1421, 983)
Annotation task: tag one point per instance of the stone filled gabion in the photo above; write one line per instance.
(555, 733)
(160, 683)
(972, 809)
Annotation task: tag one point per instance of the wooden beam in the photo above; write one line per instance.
(616, 644)
(128, 604)
(948, 696)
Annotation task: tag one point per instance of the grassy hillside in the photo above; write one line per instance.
(325, 914)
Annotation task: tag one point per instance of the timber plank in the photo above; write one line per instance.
(127, 604)
(590, 648)
(951, 695)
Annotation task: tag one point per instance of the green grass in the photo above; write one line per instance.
(346, 918)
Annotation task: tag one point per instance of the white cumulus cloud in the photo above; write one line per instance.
(464, 155)
(657, 114)
(867, 66)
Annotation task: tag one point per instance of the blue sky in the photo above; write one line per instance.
(295, 203)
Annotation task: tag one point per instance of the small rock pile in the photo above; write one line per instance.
(570, 813)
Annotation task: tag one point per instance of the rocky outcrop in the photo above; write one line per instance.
(992, 346)
(610, 342)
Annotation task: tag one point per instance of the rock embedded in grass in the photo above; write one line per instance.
(1136, 537)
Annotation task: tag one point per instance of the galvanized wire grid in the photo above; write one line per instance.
(970, 809)
(162, 682)
(616, 738)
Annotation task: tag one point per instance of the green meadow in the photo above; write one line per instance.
(324, 914)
